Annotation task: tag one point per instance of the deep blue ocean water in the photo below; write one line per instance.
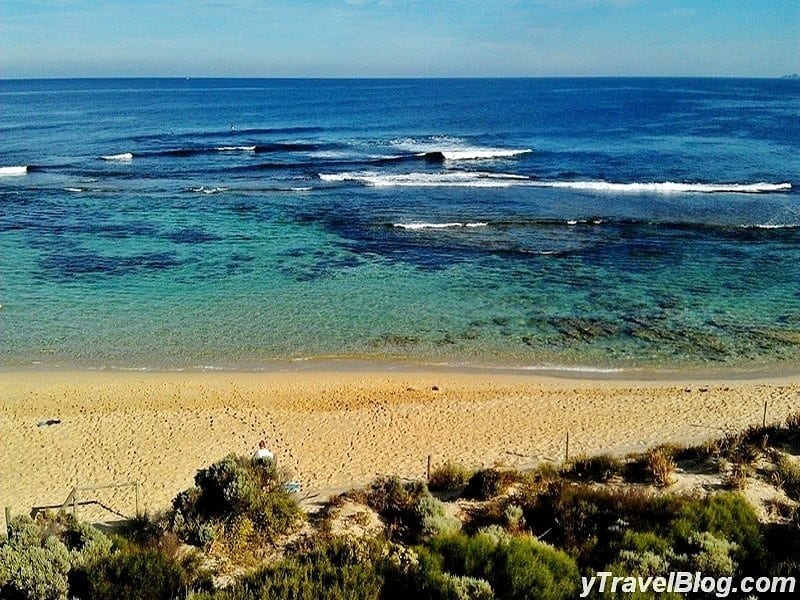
(579, 223)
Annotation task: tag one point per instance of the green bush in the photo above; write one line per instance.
(449, 477)
(490, 483)
(32, 567)
(230, 489)
(334, 569)
(726, 515)
(712, 555)
(516, 567)
(410, 510)
(138, 575)
(514, 518)
(432, 519)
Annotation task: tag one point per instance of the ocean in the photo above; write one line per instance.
(579, 224)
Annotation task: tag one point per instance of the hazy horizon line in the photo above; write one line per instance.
(390, 77)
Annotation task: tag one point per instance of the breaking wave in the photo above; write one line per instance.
(123, 157)
(446, 179)
(13, 171)
(419, 226)
(668, 187)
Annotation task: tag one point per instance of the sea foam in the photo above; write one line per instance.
(123, 157)
(668, 187)
(235, 148)
(13, 171)
(419, 226)
(453, 149)
(445, 179)
(481, 153)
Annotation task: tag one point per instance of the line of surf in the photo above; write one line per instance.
(594, 222)
(14, 171)
(457, 225)
(446, 179)
(668, 187)
(490, 179)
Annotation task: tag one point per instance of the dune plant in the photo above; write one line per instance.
(661, 467)
(230, 491)
(449, 477)
(599, 468)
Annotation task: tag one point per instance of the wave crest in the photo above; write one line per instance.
(668, 187)
(14, 171)
(446, 179)
(420, 226)
(122, 157)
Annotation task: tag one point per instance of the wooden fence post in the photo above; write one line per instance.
(428, 471)
(8, 520)
(566, 450)
(764, 421)
(137, 498)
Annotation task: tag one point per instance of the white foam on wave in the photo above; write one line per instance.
(123, 157)
(454, 148)
(667, 187)
(445, 179)
(419, 226)
(75, 190)
(481, 153)
(208, 190)
(454, 178)
(13, 171)
(772, 226)
(235, 149)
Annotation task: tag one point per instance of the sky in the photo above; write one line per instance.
(398, 38)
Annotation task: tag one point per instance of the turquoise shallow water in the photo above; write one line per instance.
(236, 223)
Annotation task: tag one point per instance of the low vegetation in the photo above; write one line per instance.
(511, 535)
(235, 504)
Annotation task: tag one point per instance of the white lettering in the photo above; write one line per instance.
(587, 583)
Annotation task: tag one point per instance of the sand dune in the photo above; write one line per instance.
(337, 428)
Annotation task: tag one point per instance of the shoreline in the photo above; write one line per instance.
(341, 428)
(671, 373)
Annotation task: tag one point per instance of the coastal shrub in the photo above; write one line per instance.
(736, 476)
(515, 566)
(150, 533)
(661, 466)
(470, 588)
(726, 515)
(336, 568)
(409, 509)
(711, 555)
(432, 519)
(389, 496)
(138, 575)
(589, 521)
(514, 518)
(594, 468)
(486, 484)
(787, 474)
(32, 567)
(230, 489)
(449, 477)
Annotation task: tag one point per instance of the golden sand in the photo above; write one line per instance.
(339, 428)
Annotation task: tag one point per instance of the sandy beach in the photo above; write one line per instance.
(339, 428)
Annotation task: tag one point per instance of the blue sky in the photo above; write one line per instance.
(387, 38)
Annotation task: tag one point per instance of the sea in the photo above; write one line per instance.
(596, 224)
